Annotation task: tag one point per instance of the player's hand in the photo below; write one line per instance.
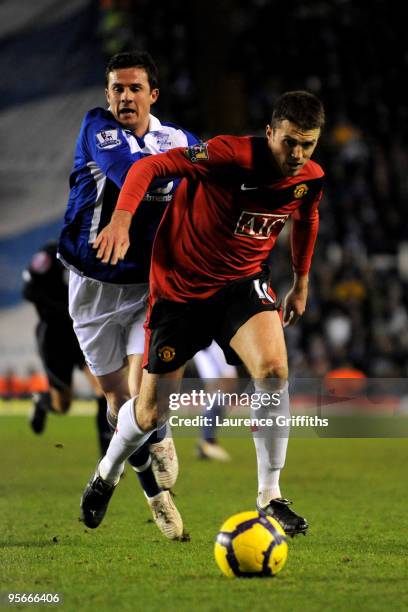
(113, 241)
(294, 304)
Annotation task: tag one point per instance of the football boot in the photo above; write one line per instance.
(290, 522)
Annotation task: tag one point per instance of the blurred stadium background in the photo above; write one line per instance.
(222, 64)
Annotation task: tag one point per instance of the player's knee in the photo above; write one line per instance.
(271, 370)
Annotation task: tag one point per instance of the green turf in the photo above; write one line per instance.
(354, 493)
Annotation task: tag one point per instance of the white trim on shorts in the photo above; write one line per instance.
(108, 321)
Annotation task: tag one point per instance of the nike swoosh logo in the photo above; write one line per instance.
(245, 188)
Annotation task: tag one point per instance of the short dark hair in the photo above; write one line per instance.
(301, 108)
(134, 59)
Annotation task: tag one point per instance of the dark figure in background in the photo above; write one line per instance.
(45, 285)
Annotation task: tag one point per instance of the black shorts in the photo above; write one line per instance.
(176, 331)
(59, 351)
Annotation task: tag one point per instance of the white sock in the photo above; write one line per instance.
(270, 490)
(127, 438)
(271, 445)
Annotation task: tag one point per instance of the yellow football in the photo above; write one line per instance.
(250, 544)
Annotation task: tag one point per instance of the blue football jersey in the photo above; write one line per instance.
(104, 152)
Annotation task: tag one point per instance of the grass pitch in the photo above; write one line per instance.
(353, 492)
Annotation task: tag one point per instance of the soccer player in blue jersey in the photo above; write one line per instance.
(107, 303)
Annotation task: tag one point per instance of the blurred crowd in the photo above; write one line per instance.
(357, 311)
(13, 385)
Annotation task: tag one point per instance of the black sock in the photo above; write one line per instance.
(158, 435)
(146, 478)
(148, 482)
(139, 459)
(104, 431)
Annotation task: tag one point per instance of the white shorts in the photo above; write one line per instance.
(108, 321)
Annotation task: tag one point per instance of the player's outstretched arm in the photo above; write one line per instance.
(294, 304)
(113, 241)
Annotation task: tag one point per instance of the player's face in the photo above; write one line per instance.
(291, 147)
(130, 98)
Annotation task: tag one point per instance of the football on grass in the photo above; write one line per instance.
(250, 544)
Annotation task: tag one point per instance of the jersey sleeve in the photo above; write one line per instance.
(192, 139)
(305, 225)
(105, 144)
(194, 162)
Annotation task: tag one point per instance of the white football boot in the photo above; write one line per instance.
(166, 516)
(165, 464)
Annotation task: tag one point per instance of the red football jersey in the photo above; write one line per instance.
(226, 215)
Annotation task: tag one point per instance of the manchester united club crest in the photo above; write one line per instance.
(300, 191)
(166, 353)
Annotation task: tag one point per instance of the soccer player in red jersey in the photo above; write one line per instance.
(209, 279)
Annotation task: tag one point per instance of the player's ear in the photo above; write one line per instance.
(154, 94)
(107, 95)
(268, 131)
